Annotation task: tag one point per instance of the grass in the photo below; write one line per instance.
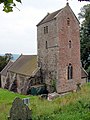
(6, 99)
(73, 106)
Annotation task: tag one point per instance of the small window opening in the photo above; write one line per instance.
(46, 45)
(68, 21)
(70, 44)
(46, 30)
(70, 72)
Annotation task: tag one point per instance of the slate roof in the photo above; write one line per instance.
(51, 16)
(4, 71)
(84, 74)
(25, 65)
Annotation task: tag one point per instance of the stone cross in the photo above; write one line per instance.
(19, 111)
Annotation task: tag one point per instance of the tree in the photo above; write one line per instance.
(8, 56)
(4, 60)
(8, 5)
(85, 36)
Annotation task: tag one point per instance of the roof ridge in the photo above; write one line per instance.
(25, 65)
(48, 15)
(16, 60)
(53, 15)
(42, 19)
(84, 70)
(73, 14)
(7, 67)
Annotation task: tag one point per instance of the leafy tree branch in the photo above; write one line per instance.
(9, 4)
(85, 36)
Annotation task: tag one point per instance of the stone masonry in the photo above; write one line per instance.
(58, 40)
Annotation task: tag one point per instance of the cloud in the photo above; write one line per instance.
(18, 29)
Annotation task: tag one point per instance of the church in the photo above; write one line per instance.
(57, 64)
(58, 38)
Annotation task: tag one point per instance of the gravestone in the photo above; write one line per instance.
(26, 101)
(19, 111)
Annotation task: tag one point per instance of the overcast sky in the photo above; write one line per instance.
(18, 32)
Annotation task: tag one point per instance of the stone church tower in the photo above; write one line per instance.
(58, 40)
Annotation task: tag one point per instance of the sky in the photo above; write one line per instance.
(18, 31)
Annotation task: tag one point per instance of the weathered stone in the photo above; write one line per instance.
(20, 111)
(14, 86)
(58, 49)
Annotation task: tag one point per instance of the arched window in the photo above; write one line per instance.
(70, 72)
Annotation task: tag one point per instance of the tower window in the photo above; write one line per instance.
(70, 44)
(46, 45)
(68, 21)
(70, 72)
(45, 29)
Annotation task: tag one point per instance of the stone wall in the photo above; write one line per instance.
(3, 81)
(84, 80)
(24, 82)
(68, 54)
(47, 57)
(55, 58)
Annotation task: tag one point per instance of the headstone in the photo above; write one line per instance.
(26, 101)
(19, 111)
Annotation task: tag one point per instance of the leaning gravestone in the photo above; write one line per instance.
(19, 111)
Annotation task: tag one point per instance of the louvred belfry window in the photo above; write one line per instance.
(45, 29)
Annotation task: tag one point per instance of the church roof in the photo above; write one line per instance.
(53, 15)
(4, 71)
(84, 74)
(49, 17)
(25, 65)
